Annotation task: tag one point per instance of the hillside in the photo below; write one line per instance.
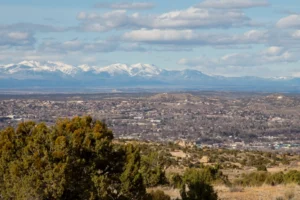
(79, 159)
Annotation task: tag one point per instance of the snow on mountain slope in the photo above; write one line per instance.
(143, 70)
(65, 68)
(115, 69)
(58, 74)
(36, 67)
(147, 70)
(85, 68)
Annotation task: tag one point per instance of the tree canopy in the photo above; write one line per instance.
(75, 159)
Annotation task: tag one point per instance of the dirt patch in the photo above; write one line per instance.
(173, 193)
(178, 154)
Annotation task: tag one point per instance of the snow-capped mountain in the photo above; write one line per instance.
(53, 70)
(142, 70)
(147, 70)
(40, 66)
(35, 67)
(58, 74)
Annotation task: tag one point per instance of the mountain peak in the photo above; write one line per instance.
(35, 67)
(85, 67)
(147, 70)
(53, 73)
(30, 63)
(114, 69)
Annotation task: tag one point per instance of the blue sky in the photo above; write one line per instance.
(220, 37)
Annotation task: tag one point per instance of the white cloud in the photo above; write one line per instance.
(31, 27)
(16, 38)
(18, 35)
(296, 34)
(88, 47)
(157, 35)
(233, 4)
(82, 16)
(190, 37)
(288, 39)
(19, 55)
(200, 18)
(104, 22)
(126, 5)
(78, 46)
(256, 35)
(191, 18)
(291, 21)
(271, 55)
(273, 51)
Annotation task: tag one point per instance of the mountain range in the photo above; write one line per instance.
(42, 75)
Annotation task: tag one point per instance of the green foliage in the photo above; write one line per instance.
(292, 176)
(252, 179)
(259, 178)
(197, 185)
(285, 160)
(257, 160)
(275, 179)
(175, 180)
(75, 159)
(131, 178)
(152, 169)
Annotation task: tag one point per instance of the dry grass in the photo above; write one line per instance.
(177, 170)
(178, 154)
(283, 168)
(173, 193)
(235, 173)
(204, 159)
(285, 192)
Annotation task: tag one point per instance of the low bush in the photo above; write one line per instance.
(158, 195)
(259, 178)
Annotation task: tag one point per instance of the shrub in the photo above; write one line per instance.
(175, 180)
(196, 185)
(292, 176)
(158, 195)
(260, 177)
(252, 179)
(275, 179)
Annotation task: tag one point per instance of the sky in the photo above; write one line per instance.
(218, 37)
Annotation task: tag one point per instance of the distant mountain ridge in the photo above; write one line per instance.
(51, 74)
(24, 67)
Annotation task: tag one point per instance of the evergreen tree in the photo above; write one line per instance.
(132, 180)
(75, 159)
(152, 170)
